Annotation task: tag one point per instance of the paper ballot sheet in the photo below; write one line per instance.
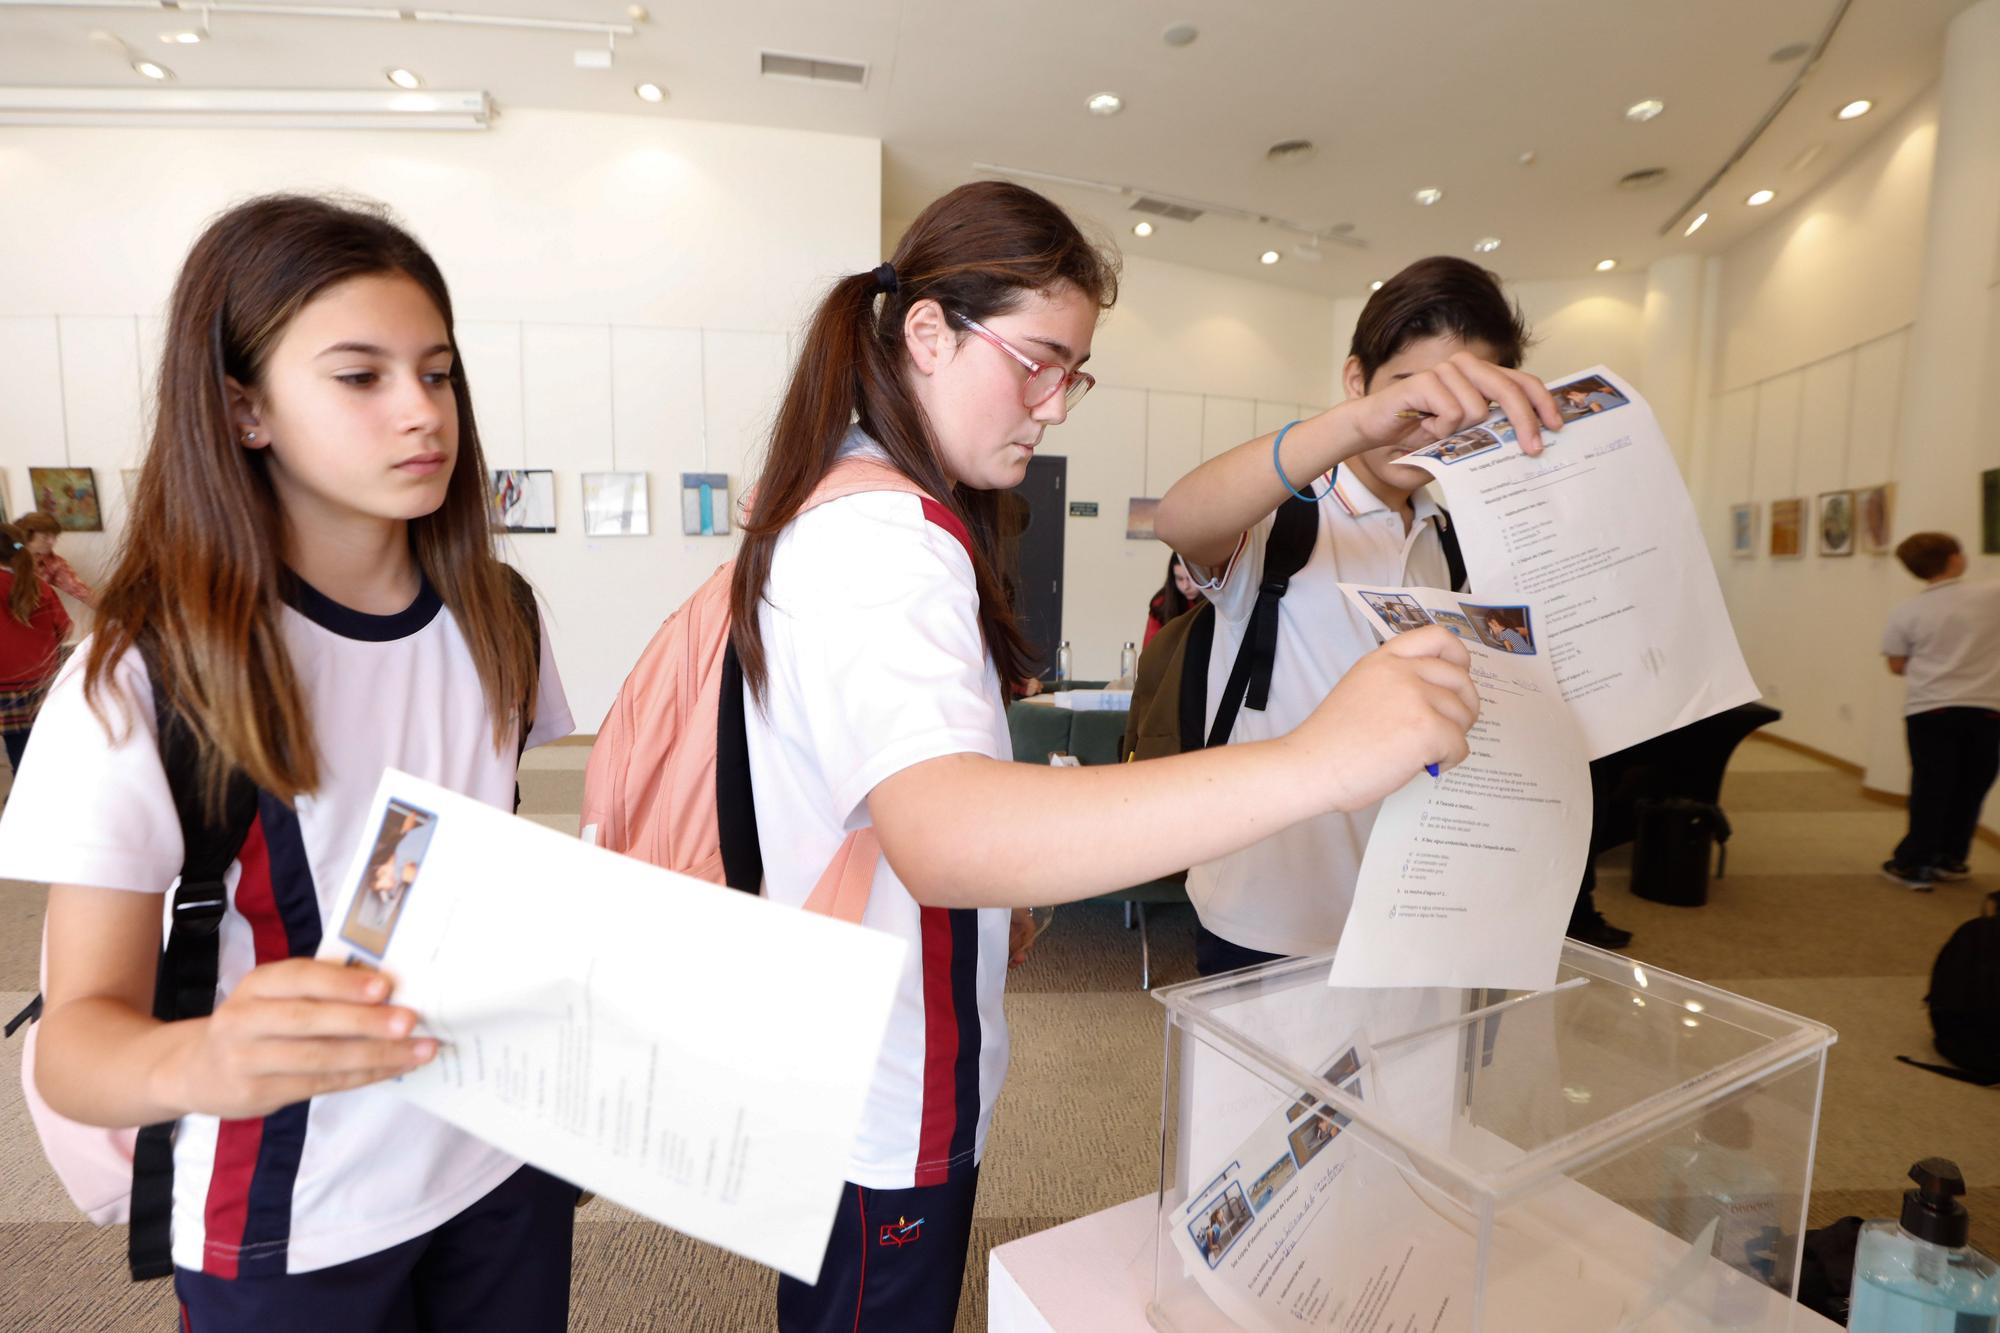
(1600, 534)
(693, 1053)
(1469, 877)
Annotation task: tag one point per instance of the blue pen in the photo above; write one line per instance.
(1431, 769)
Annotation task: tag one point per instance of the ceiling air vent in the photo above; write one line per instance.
(813, 69)
(1160, 208)
(1644, 179)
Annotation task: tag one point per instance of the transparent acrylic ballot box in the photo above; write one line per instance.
(1626, 1152)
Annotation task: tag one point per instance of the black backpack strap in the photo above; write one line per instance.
(735, 806)
(30, 1013)
(1293, 531)
(185, 984)
(1961, 1075)
(1454, 559)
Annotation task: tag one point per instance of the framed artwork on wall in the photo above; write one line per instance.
(1875, 517)
(524, 499)
(1836, 523)
(1788, 520)
(69, 494)
(705, 504)
(1139, 512)
(1743, 530)
(614, 505)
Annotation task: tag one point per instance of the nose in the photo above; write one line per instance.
(421, 407)
(1053, 410)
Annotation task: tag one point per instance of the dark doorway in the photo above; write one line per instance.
(1031, 528)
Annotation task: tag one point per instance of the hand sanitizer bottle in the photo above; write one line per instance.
(1918, 1275)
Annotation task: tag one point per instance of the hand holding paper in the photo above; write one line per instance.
(694, 1053)
(1402, 708)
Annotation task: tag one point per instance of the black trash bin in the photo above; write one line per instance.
(1670, 849)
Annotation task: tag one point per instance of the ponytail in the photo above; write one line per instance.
(26, 594)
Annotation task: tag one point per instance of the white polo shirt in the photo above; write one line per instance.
(871, 631)
(350, 1174)
(1289, 894)
(1951, 633)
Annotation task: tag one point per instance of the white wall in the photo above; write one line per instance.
(625, 289)
(1823, 381)
(1189, 363)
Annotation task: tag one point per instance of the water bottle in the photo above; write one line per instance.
(1128, 665)
(1063, 661)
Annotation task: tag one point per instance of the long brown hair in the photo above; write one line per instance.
(200, 576)
(26, 594)
(977, 251)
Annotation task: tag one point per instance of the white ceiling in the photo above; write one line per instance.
(1444, 93)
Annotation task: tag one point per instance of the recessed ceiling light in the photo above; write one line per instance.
(651, 92)
(1695, 226)
(1606, 265)
(1527, 159)
(1268, 257)
(185, 37)
(158, 73)
(1180, 34)
(1375, 286)
(1641, 112)
(1142, 229)
(1105, 104)
(1428, 196)
(405, 79)
(1855, 110)
(638, 14)
(1760, 198)
(1486, 245)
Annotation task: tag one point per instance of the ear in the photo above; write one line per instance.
(243, 414)
(1352, 380)
(928, 337)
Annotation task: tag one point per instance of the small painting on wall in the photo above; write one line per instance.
(1788, 518)
(1139, 519)
(1875, 517)
(1743, 530)
(524, 499)
(705, 504)
(69, 495)
(1836, 523)
(614, 504)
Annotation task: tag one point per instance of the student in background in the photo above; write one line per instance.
(42, 530)
(1945, 642)
(31, 636)
(1442, 324)
(309, 568)
(1175, 596)
(874, 634)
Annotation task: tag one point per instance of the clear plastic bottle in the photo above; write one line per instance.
(1063, 661)
(1128, 666)
(1917, 1274)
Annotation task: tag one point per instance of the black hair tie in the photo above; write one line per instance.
(885, 279)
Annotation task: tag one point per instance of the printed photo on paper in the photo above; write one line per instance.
(1400, 611)
(1506, 628)
(1219, 1222)
(388, 878)
(1586, 397)
(1469, 443)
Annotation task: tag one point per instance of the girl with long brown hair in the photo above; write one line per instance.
(878, 650)
(41, 531)
(308, 581)
(31, 636)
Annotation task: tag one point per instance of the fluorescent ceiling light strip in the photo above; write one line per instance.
(380, 15)
(246, 107)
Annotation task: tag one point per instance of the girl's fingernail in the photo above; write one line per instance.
(425, 1049)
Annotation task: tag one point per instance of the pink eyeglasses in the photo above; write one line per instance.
(1045, 380)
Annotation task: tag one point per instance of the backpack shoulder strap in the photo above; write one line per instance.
(1294, 529)
(184, 986)
(1454, 559)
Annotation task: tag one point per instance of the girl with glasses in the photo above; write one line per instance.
(878, 651)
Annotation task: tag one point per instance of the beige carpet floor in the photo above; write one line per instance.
(1801, 921)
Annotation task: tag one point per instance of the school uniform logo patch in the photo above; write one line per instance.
(899, 1233)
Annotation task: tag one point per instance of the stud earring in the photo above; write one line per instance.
(249, 437)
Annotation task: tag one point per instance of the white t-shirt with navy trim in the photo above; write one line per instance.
(1289, 894)
(871, 631)
(342, 1176)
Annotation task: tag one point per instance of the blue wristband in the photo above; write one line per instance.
(1279, 467)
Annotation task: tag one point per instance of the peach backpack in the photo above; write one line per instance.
(669, 775)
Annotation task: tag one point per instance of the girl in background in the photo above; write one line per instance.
(31, 636)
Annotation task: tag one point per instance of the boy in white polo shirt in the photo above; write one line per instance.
(1945, 642)
(1375, 525)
